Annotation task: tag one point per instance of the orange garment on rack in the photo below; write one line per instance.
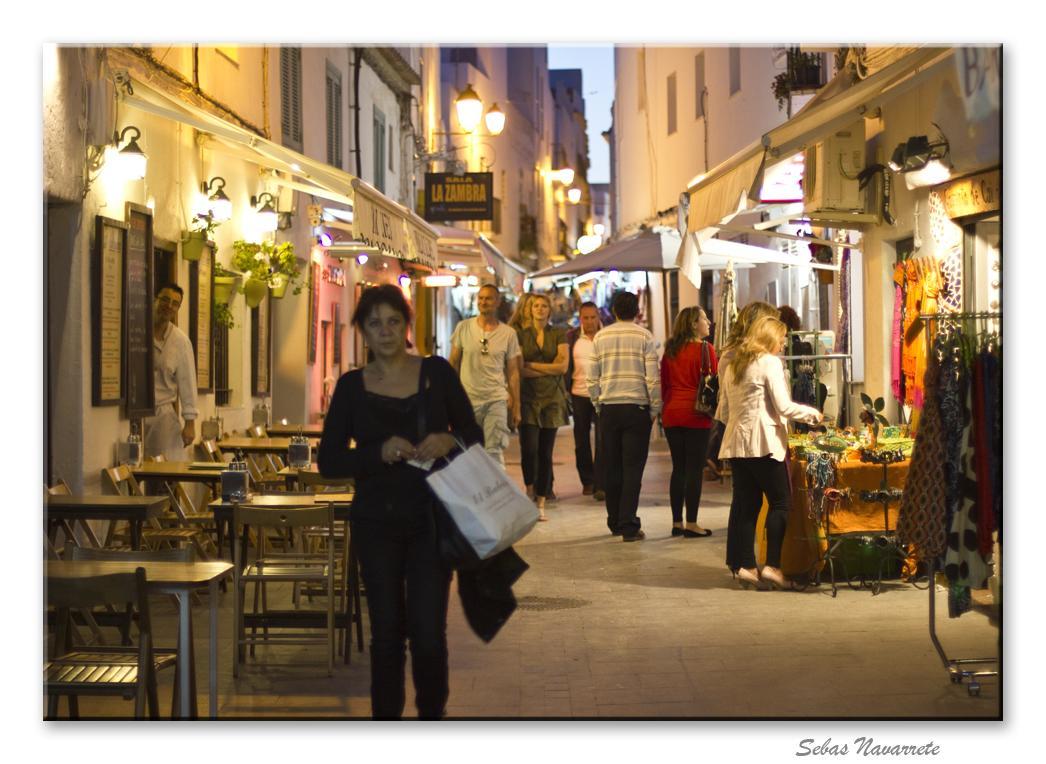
(924, 283)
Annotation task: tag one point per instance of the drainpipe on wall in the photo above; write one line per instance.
(356, 109)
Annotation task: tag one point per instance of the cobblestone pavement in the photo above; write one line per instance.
(655, 629)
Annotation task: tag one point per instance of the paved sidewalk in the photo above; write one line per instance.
(655, 629)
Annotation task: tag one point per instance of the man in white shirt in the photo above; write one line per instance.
(485, 352)
(174, 378)
(624, 384)
(580, 340)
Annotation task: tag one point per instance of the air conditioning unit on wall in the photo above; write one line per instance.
(830, 173)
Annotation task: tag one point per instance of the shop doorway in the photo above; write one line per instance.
(982, 261)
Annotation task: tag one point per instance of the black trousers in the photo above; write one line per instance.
(589, 470)
(752, 478)
(625, 441)
(408, 587)
(688, 446)
(536, 445)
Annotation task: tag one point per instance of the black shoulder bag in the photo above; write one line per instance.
(707, 398)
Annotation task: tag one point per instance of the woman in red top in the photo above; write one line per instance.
(687, 358)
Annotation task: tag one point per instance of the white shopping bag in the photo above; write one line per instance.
(491, 512)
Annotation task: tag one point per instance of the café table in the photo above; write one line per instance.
(179, 579)
(183, 472)
(286, 430)
(259, 445)
(135, 510)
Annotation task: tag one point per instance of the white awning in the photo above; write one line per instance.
(719, 193)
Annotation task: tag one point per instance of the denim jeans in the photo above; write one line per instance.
(752, 478)
(626, 443)
(589, 470)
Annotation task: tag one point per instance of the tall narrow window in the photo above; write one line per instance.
(378, 141)
(334, 110)
(671, 103)
(735, 70)
(699, 86)
(290, 97)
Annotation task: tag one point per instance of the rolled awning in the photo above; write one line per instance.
(718, 194)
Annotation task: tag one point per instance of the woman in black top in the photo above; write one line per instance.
(398, 409)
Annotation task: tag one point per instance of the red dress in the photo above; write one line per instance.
(679, 381)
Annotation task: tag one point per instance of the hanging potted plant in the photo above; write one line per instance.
(266, 265)
(223, 316)
(199, 233)
(225, 282)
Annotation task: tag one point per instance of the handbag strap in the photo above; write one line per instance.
(706, 364)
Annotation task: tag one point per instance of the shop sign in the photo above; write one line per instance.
(421, 242)
(978, 71)
(459, 197)
(377, 221)
(973, 195)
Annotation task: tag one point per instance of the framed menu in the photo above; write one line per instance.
(107, 287)
(261, 348)
(201, 289)
(140, 394)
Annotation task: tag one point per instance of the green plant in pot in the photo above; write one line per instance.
(871, 417)
(266, 265)
(223, 316)
(225, 282)
(200, 232)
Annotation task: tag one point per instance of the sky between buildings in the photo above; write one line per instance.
(596, 63)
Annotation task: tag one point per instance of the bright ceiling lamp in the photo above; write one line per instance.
(469, 108)
(574, 195)
(130, 160)
(219, 202)
(495, 120)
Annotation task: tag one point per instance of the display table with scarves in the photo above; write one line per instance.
(806, 543)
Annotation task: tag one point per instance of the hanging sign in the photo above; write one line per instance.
(459, 197)
(421, 241)
(973, 195)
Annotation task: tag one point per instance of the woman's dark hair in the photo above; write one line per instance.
(625, 306)
(790, 318)
(683, 330)
(384, 294)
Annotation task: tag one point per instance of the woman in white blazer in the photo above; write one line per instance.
(755, 406)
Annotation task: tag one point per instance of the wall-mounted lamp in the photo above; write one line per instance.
(218, 202)
(923, 162)
(564, 176)
(495, 120)
(469, 108)
(574, 195)
(268, 217)
(130, 160)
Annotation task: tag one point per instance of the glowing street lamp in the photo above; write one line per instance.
(495, 119)
(469, 108)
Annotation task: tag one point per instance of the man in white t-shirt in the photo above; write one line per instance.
(486, 354)
(580, 340)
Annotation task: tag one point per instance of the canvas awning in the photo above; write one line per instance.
(462, 247)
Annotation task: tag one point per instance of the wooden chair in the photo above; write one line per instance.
(211, 450)
(119, 480)
(61, 488)
(256, 431)
(127, 672)
(269, 567)
(185, 512)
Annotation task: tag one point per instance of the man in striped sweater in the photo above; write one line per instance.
(624, 385)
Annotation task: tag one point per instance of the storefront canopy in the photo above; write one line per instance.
(722, 192)
(458, 247)
(377, 220)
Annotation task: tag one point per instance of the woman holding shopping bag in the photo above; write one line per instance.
(379, 410)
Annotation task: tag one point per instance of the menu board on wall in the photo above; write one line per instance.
(201, 289)
(138, 313)
(107, 282)
(261, 339)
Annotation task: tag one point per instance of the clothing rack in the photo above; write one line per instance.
(844, 400)
(958, 668)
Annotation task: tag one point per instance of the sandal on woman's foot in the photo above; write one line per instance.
(748, 579)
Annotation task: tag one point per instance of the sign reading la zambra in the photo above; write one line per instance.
(973, 195)
(459, 197)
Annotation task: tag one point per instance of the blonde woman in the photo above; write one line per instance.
(543, 397)
(755, 406)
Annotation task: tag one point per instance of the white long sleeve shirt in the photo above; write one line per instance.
(174, 371)
(756, 410)
(624, 367)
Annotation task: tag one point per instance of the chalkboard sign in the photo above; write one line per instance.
(201, 287)
(138, 313)
(107, 274)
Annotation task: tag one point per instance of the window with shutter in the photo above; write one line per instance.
(391, 152)
(290, 97)
(334, 117)
(378, 142)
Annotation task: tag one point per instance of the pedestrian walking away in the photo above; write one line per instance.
(755, 407)
(393, 421)
(625, 388)
(688, 359)
(543, 394)
(485, 352)
(579, 340)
